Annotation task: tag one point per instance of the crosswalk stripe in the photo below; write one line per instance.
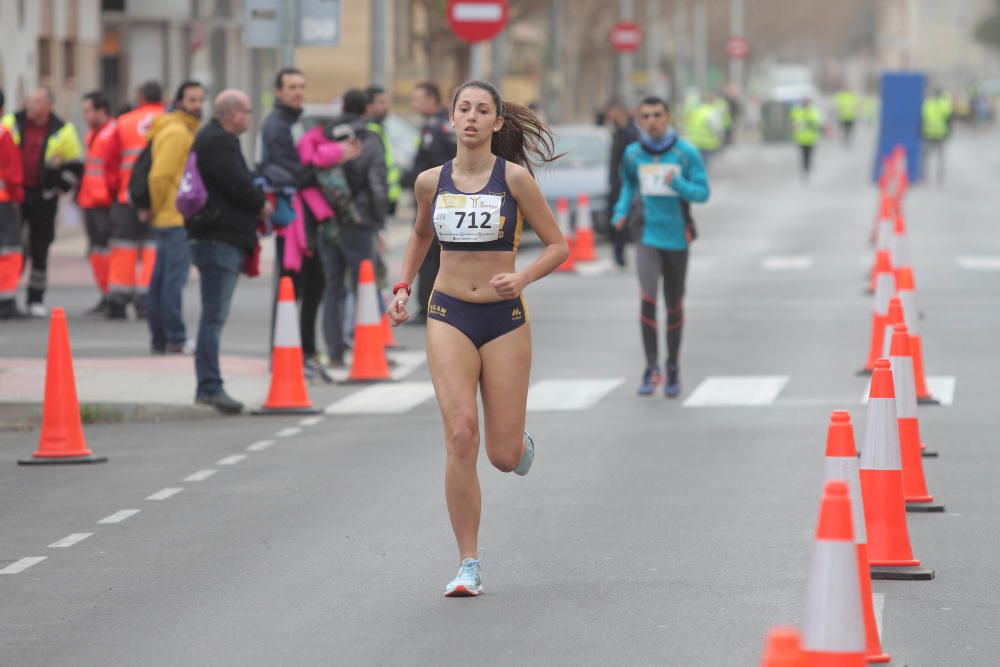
(557, 395)
(593, 269)
(383, 399)
(978, 262)
(22, 565)
(787, 263)
(401, 364)
(732, 391)
(941, 387)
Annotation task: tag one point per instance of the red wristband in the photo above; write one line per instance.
(402, 284)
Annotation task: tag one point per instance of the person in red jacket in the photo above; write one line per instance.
(98, 188)
(11, 196)
(131, 238)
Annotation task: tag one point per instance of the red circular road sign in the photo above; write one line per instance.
(625, 36)
(477, 20)
(737, 47)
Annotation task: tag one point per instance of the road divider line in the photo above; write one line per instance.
(231, 460)
(737, 391)
(978, 262)
(395, 398)
(311, 421)
(260, 445)
(200, 476)
(288, 432)
(70, 540)
(787, 263)
(119, 516)
(22, 565)
(165, 494)
(567, 395)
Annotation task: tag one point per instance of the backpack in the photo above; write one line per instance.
(191, 193)
(337, 192)
(138, 185)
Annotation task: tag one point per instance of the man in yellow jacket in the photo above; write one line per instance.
(171, 135)
(806, 126)
(936, 126)
(848, 104)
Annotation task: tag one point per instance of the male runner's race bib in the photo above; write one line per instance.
(468, 218)
(653, 179)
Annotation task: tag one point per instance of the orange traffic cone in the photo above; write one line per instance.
(833, 632)
(562, 218)
(288, 382)
(62, 438)
(884, 288)
(895, 316)
(781, 648)
(899, 247)
(369, 364)
(908, 297)
(585, 251)
(889, 550)
(914, 485)
(883, 236)
(842, 463)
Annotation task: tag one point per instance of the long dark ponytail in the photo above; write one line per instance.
(524, 139)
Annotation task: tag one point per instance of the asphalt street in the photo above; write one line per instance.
(649, 531)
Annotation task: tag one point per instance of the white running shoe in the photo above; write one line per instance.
(524, 465)
(38, 310)
(467, 583)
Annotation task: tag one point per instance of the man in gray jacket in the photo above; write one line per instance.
(366, 176)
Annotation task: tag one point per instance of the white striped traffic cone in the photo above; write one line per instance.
(914, 484)
(885, 287)
(562, 219)
(369, 364)
(288, 393)
(842, 463)
(833, 631)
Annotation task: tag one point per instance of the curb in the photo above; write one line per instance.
(28, 416)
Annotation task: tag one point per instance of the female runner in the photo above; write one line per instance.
(477, 322)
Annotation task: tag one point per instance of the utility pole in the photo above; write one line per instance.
(476, 61)
(625, 60)
(737, 28)
(378, 76)
(701, 45)
(651, 35)
(291, 36)
(553, 80)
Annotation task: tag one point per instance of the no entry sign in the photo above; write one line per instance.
(625, 36)
(477, 20)
(737, 47)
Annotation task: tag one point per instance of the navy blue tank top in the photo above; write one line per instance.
(486, 220)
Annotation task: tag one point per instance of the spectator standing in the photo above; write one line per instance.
(171, 135)
(285, 172)
(624, 132)
(11, 196)
(131, 235)
(437, 146)
(98, 187)
(343, 252)
(806, 126)
(222, 235)
(50, 163)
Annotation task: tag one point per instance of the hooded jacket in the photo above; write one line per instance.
(172, 135)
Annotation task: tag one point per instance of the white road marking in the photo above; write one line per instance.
(288, 432)
(978, 262)
(119, 516)
(731, 391)
(311, 421)
(200, 476)
(22, 565)
(593, 269)
(942, 387)
(878, 605)
(164, 494)
(383, 399)
(560, 395)
(70, 540)
(231, 460)
(401, 364)
(260, 445)
(787, 263)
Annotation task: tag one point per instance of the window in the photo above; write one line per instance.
(44, 57)
(113, 5)
(69, 60)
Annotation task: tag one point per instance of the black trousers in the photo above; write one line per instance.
(309, 284)
(807, 153)
(38, 213)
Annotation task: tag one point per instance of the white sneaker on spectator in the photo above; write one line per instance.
(38, 310)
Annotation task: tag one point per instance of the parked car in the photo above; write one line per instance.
(582, 170)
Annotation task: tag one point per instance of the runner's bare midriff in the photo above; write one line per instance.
(466, 275)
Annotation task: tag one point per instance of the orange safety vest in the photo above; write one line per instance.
(132, 129)
(97, 184)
